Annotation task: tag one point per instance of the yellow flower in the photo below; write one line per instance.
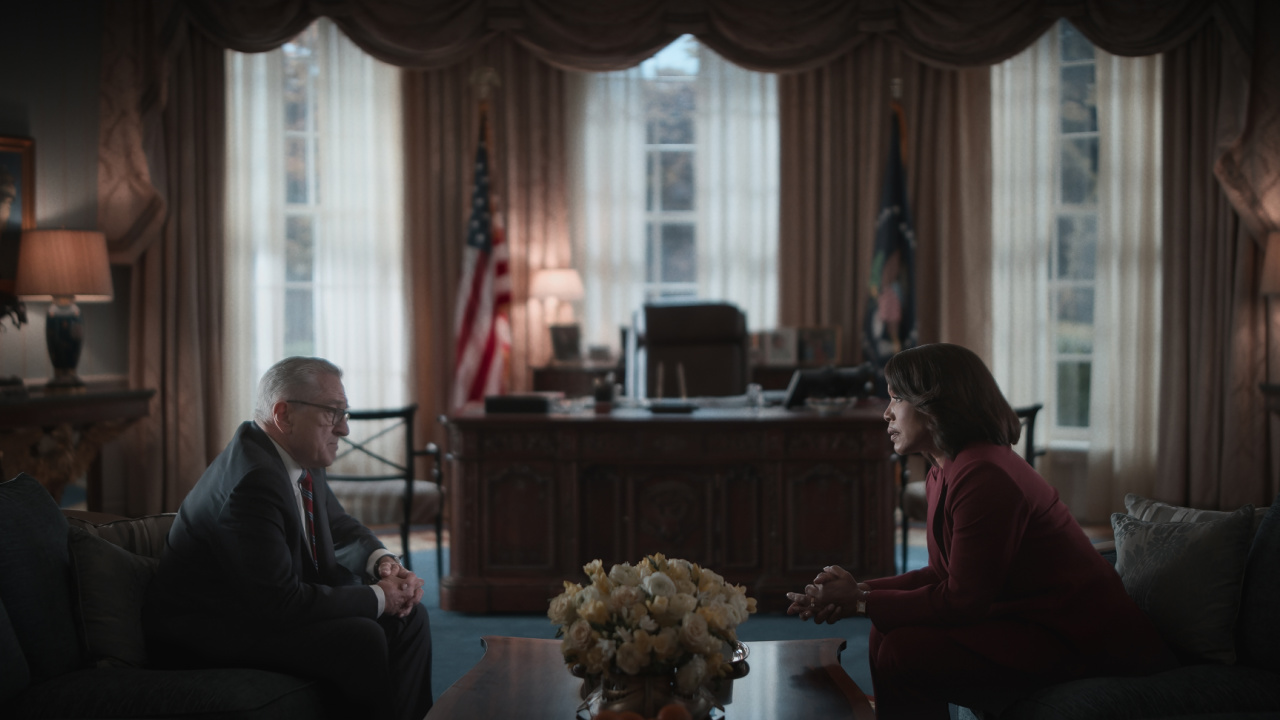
(594, 612)
(715, 616)
(593, 568)
(666, 644)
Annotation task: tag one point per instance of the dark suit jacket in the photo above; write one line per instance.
(1016, 578)
(236, 559)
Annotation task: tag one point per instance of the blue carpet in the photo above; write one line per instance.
(456, 636)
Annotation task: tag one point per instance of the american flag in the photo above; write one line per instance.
(483, 346)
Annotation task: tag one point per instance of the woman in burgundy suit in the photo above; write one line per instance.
(1014, 596)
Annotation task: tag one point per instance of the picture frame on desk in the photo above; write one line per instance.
(818, 346)
(778, 346)
(17, 202)
(566, 343)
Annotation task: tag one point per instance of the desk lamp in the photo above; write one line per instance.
(558, 288)
(64, 266)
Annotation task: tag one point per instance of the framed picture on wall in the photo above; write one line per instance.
(17, 202)
(818, 346)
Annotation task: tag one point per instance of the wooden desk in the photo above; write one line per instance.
(576, 379)
(55, 437)
(766, 499)
(526, 678)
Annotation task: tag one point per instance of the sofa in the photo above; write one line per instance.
(71, 639)
(1210, 582)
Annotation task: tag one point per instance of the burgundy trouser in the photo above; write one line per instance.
(918, 670)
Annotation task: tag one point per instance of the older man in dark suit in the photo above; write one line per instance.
(265, 569)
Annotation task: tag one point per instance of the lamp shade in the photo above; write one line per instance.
(559, 283)
(64, 262)
(1271, 266)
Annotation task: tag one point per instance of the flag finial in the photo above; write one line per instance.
(482, 79)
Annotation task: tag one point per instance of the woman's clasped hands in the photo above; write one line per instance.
(832, 595)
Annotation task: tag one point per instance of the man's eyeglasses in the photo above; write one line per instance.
(336, 414)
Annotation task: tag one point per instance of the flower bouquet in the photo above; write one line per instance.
(668, 622)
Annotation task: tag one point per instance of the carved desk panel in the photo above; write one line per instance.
(765, 498)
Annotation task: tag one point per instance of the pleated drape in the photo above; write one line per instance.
(441, 129)
(835, 131)
(1213, 426)
(176, 313)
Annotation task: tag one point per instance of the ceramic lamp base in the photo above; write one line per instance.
(64, 335)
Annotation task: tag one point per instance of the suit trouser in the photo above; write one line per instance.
(383, 666)
(917, 670)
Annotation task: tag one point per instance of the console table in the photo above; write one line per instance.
(766, 498)
(55, 436)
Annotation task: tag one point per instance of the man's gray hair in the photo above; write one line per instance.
(293, 378)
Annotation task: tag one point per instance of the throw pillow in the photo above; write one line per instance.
(1156, 511)
(111, 585)
(1258, 637)
(1186, 577)
(15, 676)
(35, 577)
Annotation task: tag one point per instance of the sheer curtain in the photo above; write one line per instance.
(1123, 428)
(605, 124)
(736, 171)
(737, 188)
(355, 256)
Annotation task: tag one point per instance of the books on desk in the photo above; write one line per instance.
(536, 402)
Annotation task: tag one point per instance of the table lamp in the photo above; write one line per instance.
(558, 288)
(64, 266)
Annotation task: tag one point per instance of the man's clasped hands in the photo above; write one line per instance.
(832, 595)
(401, 587)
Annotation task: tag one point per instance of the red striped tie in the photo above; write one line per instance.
(309, 506)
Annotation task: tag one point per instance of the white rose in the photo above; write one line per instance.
(563, 610)
(579, 634)
(691, 676)
(694, 634)
(625, 596)
(630, 659)
(659, 585)
(682, 604)
(624, 574)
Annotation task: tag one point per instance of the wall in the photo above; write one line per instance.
(51, 95)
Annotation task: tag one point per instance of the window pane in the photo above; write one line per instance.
(669, 107)
(677, 181)
(1074, 45)
(1077, 246)
(299, 249)
(652, 255)
(295, 168)
(650, 182)
(1079, 101)
(1074, 325)
(679, 254)
(1080, 171)
(1073, 393)
(299, 323)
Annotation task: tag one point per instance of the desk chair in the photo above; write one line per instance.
(706, 343)
(373, 476)
(913, 503)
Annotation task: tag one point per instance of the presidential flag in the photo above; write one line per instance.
(483, 340)
(890, 323)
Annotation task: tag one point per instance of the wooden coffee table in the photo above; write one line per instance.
(526, 679)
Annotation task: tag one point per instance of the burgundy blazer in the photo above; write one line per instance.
(1015, 578)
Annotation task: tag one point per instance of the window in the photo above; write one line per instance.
(314, 216)
(674, 186)
(1075, 238)
(1075, 231)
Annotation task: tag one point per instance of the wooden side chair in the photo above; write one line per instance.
(913, 503)
(374, 476)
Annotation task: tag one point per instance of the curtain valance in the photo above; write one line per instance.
(762, 35)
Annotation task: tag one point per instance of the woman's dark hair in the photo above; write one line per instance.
(956, 393)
